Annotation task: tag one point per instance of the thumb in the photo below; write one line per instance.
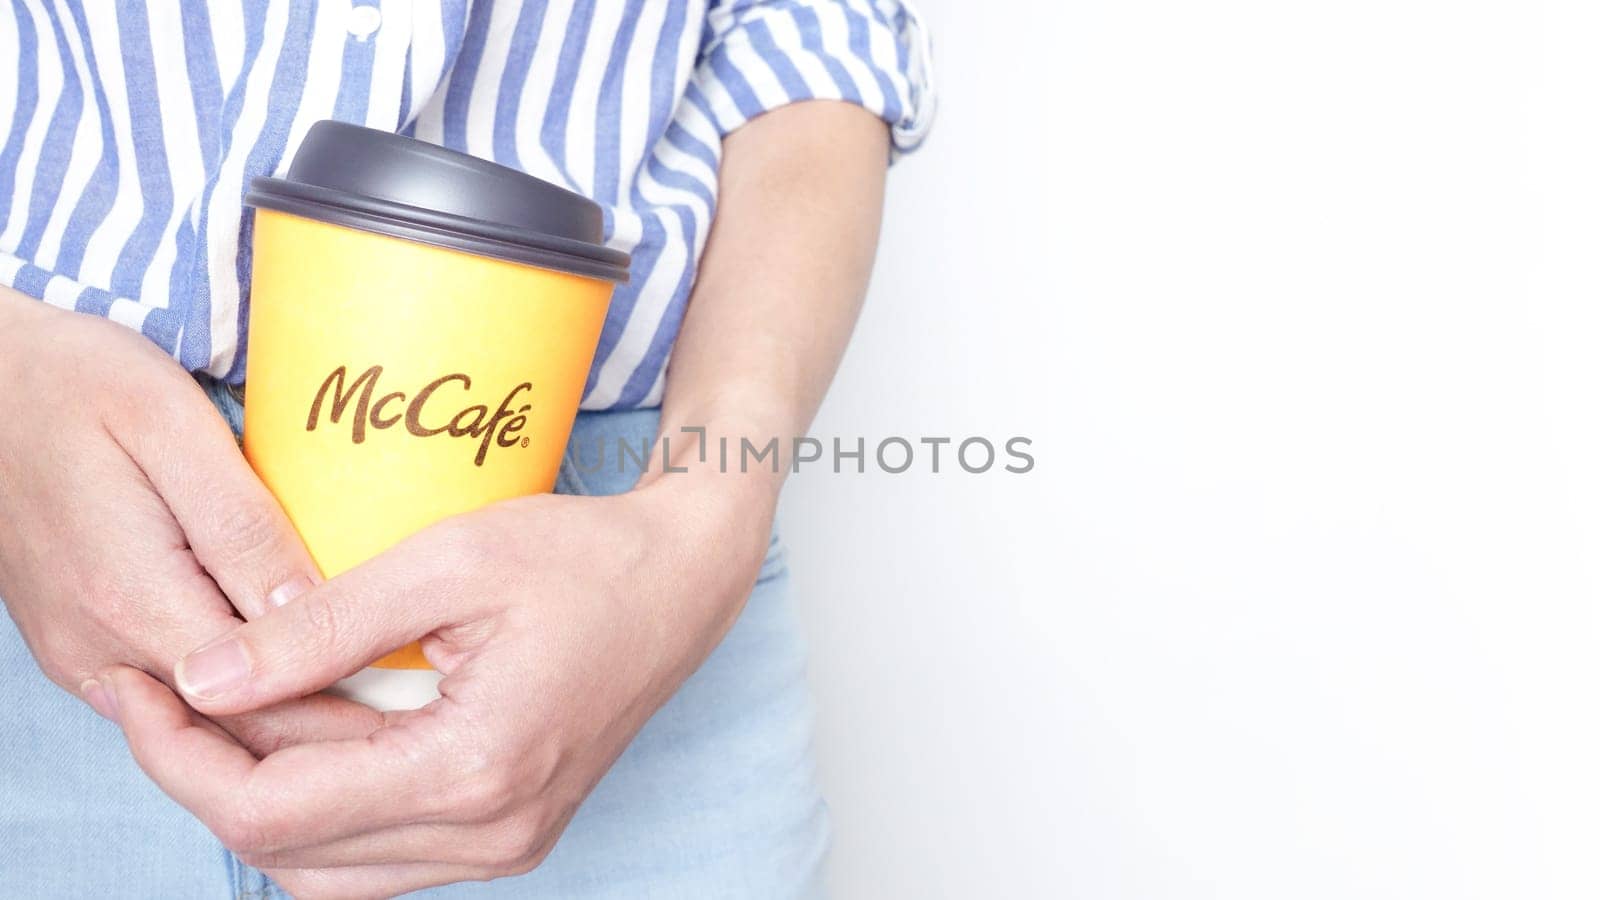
(325, 634)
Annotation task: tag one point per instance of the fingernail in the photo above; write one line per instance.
(289, 590)
(100, 697)
(213, 671)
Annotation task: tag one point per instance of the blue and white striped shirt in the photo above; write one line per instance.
(131, 129)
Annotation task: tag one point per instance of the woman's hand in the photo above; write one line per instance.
(560, 623)
(128, 518)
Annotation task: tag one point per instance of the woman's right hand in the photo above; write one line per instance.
(131, 529)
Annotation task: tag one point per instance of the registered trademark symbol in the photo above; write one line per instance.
(524, 442)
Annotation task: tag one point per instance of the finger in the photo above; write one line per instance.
(504, 841)
(192, 613)
(235, 527)
(188, 759)
(401, 845)
(318, 717)
(371, 882)
(332, 631)
(306, 794)
(197, 617)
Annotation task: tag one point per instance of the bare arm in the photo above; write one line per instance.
(782, 278)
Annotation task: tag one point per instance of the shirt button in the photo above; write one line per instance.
(364, 21)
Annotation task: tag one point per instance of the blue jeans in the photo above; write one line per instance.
(716, 797)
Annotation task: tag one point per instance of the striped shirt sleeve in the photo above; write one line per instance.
(759, 55)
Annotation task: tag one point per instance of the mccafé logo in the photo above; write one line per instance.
(424, 413)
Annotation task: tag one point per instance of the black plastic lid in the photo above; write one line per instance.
(391, 184)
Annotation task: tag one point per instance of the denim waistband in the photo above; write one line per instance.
(228, 399)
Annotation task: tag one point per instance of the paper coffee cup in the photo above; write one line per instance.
(421, 326)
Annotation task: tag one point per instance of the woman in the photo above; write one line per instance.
(604, 647)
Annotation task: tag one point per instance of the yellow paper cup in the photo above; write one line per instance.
(422, 323)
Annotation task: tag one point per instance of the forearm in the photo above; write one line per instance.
(781, 282)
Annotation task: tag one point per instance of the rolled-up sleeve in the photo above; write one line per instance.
(759, 55)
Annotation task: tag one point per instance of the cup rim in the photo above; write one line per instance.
(440, 229)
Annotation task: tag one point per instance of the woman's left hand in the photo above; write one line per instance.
(560, 623)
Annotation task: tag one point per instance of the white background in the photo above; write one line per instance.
(1298, 302)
